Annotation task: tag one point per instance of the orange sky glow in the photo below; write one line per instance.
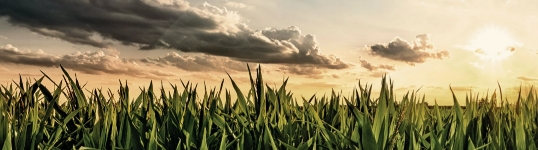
(469, 45)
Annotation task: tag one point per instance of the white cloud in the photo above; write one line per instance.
(236, 4)
(479, 66)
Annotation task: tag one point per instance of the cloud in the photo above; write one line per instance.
(367, 65)
(492, 43)
(198, 63)
(491, 52)
(335, 76)
(317, 85)
(523, 78)
(461, 88)
(511, 49)
(208, 63)
(378, 74)
(308, 71)
(113, 82)
(6, 71)
(477, 65)
(235, 4)
(100, 62)
(524, 89)
(436, 87)
(111, 51)
(87, 62)
(411, 53)
(407, 88)
(152, 24)
(3, 37)
(3, 69)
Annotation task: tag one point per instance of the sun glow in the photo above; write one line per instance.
(493, 44)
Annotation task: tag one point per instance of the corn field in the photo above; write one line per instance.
(261, 118)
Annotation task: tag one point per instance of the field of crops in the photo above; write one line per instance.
(262, 118)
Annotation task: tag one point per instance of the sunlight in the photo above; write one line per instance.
(493, 44)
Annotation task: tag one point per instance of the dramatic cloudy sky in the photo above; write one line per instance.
(470, 45)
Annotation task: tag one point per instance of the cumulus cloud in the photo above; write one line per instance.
(524, 78)
(308, 71)
(152, 24)
(99, 62)
(197, 63)
(367, 65)
(87, 62)
(208, 63)
(111, 51)
(235, 4)
(409, 52)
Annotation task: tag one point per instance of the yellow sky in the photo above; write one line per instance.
(319, 45)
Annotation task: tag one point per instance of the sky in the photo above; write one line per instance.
(468, 45)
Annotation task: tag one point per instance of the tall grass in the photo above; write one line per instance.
(261, 118)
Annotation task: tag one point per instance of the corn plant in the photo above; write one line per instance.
(33, 116)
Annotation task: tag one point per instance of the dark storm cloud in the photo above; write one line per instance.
(411, 53)
(367, 65)
(527, 78)
(150, 25)
(86, 62)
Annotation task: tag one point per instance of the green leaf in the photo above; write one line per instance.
(7, 143)
(241, 98)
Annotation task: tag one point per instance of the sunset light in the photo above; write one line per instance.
(269, 74)
(493, 44)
